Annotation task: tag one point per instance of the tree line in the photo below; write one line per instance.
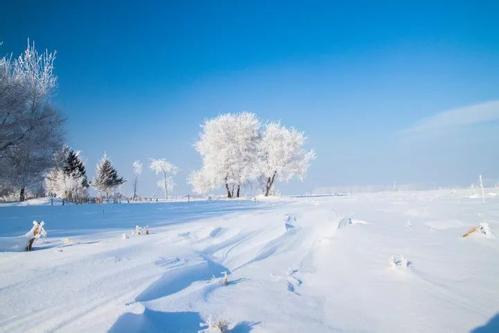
(237, 149)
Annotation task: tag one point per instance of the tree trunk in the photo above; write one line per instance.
(22, 195)
(238, 188)
(166, 185)
(267, 187)
(135, 188)
(29, 246)
(229, 195)
(270, 182)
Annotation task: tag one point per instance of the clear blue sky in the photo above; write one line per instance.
(370, 83)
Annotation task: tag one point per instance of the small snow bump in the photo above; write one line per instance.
(399, 262)
(344, 222)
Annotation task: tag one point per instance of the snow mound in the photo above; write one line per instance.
(344, 222)
(485, 230)
(24, 242)
(482, 229)
(348, 220)
(215, 326)
(216, 232)
(290, 222)
(399, 262)
(141, 231)
(355, 221)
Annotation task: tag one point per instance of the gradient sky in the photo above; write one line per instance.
(385, 92)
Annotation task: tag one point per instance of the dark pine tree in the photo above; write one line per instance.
(107, 177)
(75, 168)
(70, 163)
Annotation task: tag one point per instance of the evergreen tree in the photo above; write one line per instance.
(106, 179)
(68, 179)
(74, 168)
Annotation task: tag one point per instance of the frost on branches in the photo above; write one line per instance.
(236, 150)
(137, 170)
(166, 170)
(68, 179)
(281, 155)
(30, 127)
(107, 179)
(228, 146)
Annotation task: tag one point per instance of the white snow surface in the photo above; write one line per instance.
(311, 277)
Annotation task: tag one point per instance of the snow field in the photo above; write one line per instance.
(398, 262)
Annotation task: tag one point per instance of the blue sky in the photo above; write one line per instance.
(362, 79)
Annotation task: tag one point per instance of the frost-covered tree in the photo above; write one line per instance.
(56, 183)
(228, 146)
(30, 127)
(13, 107)
(166, 170)
(26, 162)
(137, 170)
(166, 185)
(106, 178)
(281, 155)
(200, 182)
(68, 179)
(26, 85)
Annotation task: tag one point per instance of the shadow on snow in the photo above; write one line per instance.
(156, 321)
(492, 326)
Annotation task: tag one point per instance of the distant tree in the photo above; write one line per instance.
(137, 170)
(201, 182)
(166, 170)
(30, 127)
(68, 179)
(228, 146)
(281, 155)
(106, 179)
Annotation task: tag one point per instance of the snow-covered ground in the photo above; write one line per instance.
(379, 262)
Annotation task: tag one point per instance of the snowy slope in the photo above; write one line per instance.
(300, 265)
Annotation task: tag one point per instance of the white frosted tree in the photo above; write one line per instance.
(106, 178)
(36, 71)
(63, 186)
(68, 179)
(166, 185)
(228, 146)
(30, 128)
(137, 170)
(281, 155)
(167, 170)
(55, 183)
(200, 182)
